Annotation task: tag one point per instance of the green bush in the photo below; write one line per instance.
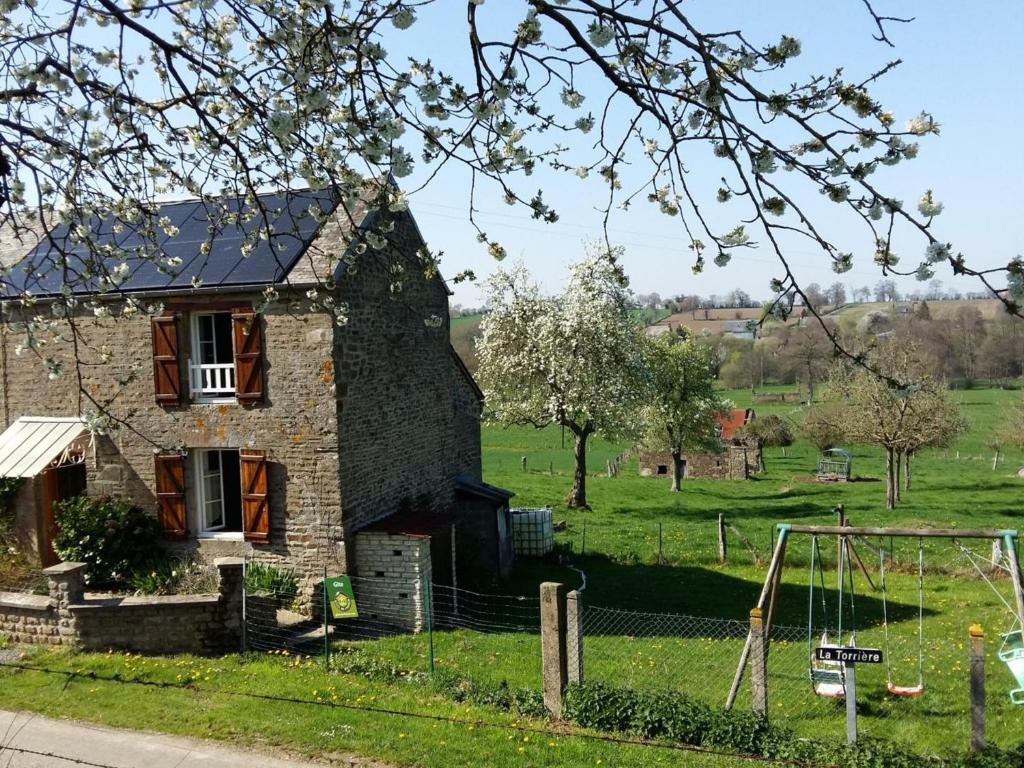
(522, 701)
(266, 579)
(672, 716)
(8, 490)
(112, 537)
(174, 576)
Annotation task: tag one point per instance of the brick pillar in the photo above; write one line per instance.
(67, 588)
(232, 600)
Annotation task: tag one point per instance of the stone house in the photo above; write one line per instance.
(737, 459)
(266, 430)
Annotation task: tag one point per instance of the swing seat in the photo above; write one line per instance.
(1012, 653)
(827, 677)
(905, 690)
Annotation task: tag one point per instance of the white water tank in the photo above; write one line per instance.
(533, 533)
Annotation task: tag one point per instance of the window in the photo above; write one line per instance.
(212, 365)
(218, 492)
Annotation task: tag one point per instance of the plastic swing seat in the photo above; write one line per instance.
(1012, 653)
(905, 690)
(827, 676)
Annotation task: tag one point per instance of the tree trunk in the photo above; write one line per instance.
(898, 473)
(906, 473)
(677, 470)
(578, 495)
(890, 492)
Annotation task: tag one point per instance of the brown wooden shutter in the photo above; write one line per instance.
(166, 372)
(170, 494)
(255, 506)
(248, 356)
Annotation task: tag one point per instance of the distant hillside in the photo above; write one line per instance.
(852, 313)
(465, 330)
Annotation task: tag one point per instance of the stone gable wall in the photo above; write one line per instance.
(736, 462)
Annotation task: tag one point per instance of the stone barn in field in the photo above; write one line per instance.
(737, 459)
(265, 430)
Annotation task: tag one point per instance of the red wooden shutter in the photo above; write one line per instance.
(166, 373)
(248, 356)
(170, 494)
(255, 507)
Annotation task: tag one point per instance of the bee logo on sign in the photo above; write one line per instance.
(340, 598)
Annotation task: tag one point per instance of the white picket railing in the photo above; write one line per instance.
(211, 380)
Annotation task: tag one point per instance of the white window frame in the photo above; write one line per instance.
(197, 393)
(199, 488)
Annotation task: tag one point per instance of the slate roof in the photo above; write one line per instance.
(292, 225)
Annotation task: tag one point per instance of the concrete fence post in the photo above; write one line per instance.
(977, 658)
(574, 638)
(554, 659)
(759, 663)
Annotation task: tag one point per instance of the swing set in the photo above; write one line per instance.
(828, 678)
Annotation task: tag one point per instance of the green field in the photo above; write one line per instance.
(632, 519)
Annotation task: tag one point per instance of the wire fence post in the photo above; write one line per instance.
(583, 544)
(553, 645)
(759, 663)
(574, 636)
(245, 599)
(429, 611)
(326, 623)
(723, 551)
(661, 555)
(977, 658)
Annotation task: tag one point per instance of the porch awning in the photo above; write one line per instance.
(32, 443)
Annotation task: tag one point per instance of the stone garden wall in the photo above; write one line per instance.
(201, 624)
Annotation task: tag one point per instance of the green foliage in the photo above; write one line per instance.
(672, 716)
(111, 536)
(524, 702)
(8, 489)
(262, 578)
(174, 576)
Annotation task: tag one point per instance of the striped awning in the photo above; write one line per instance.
(32, 443)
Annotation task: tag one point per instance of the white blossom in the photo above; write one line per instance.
(928, 205)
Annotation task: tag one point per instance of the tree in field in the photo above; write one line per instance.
(108, 106)
(682, 401)
(771, 431)
(823, 425)
(808, 351)
(573, 360)
(1009, 431)
(902, 410)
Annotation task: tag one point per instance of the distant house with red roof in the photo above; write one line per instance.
(738, 459)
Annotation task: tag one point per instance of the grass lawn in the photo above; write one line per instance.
(617, 543)
(631, 518)
(329, 713)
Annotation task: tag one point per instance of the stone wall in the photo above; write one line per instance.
(400, 395)
(736, 462)
(201, 624)
(394, 571)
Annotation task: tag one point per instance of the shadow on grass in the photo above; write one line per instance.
(695, 591)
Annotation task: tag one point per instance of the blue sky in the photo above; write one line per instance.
(959, 63)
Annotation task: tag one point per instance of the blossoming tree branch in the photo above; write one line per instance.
(108, 106)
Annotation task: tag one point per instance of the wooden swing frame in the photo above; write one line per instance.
(769, 591)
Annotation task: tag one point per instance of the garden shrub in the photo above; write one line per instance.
(266, 579)
(672, 716)
(521, 701)
(111, 536)
(174, 576)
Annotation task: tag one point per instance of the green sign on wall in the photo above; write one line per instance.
(340, 597)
